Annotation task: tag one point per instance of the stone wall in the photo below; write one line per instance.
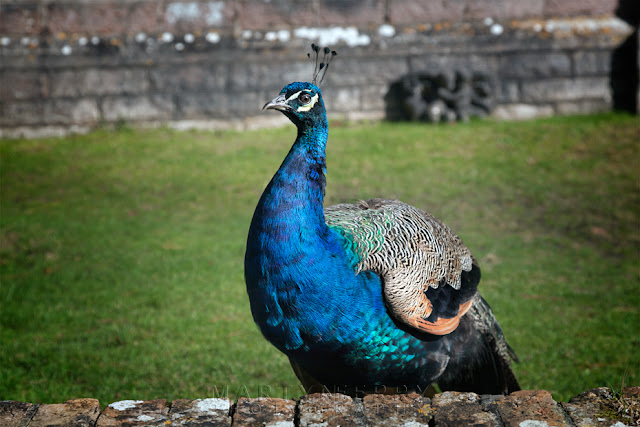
(74, 64)
(529, 408)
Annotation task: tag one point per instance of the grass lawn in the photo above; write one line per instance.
(121, 253)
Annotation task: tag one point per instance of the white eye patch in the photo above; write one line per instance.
(305, 107)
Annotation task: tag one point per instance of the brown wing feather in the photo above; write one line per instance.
(412, 252)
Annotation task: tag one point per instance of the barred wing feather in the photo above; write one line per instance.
(429, 276)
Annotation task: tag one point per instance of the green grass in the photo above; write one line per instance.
(121, 253)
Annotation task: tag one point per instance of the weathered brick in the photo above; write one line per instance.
(532, 65)
(133, 108)
(421, 12)
(454, 409)
(402, 409)
(14, 414)
(566, 89)
(530, 405)
(579, 7)
(20, 18)
(277, 14)
(357, 13)
(102, 18)
(138, 412)
(73, 413)
(199, 412)
(501, 10)
(191, 16)
(329, 410)
(264, 411)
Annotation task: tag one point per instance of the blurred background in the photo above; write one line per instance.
(76, 64)
(133, 151)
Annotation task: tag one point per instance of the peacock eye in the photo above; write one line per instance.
(305, 98)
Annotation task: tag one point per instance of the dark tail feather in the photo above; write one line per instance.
(481, 358)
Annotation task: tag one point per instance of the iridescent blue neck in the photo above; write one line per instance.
(296, 192)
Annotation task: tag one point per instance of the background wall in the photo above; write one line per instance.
(71, 65)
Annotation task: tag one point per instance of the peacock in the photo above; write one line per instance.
(376, 296)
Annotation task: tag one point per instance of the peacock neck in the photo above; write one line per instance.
(297, 189)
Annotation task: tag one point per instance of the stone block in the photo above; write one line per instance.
(244, 77)
(73, 413)
(20, 18)
(587, 106)
(566, 89)
(343, 99)
(22, 113)
(200, 412)
(530, 407)
(134, 412)
(19, 85)
(403, 12)
(71, 111)
(401, 409)
(597, 407)
(328, 410)
(535, 65)
(454, 409)
(521, 111)
(189, 77)
(596, 62)
(96, 81)
(264, 411)
(507, 91)
(15, 414)
(366, 71)
(137, 108)
(373, 97)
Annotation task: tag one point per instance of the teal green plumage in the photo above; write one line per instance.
(369, 295)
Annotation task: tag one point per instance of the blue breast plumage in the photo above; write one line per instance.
(364, 296)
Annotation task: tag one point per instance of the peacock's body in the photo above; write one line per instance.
(364, 296)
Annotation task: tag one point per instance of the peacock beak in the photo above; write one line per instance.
(278, 103)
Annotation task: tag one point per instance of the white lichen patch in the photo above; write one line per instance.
(212, 37)
(497, 29)
(333, 35)
(145, 418)
(281, 424)
(282, 35)
(386, 30)
(123, 405)
(193, 11)
(212, 404)
(533, 423)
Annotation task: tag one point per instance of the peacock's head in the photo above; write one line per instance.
(301, 102)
